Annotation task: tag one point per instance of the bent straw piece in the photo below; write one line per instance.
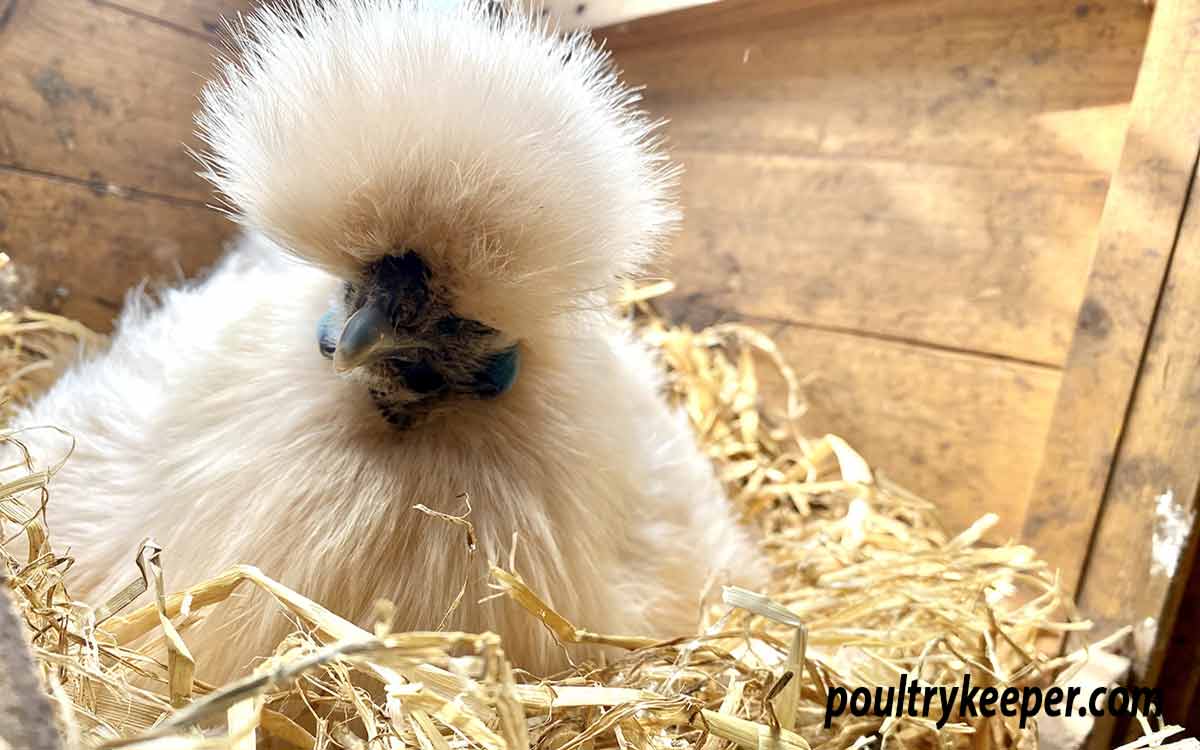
(558, 625)
(219, 588)
(787, 701)
(752, 735)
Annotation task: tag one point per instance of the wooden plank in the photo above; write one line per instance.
(1136, 235)
(963, 431)
(970, 259)
(199, 17)
(97, 94)
(577, 14)
(1144, 544)
(76, 249)
(929, 170)
(1025, 83)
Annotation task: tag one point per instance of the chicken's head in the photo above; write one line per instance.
(478, 181)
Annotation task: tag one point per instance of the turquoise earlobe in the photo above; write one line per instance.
(327, 336)
(499, 374)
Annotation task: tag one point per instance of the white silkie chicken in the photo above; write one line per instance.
(440, 205)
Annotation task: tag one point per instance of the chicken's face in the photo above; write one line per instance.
(402, 337)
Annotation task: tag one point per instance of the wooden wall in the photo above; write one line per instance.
(904, 192)
(96, 191)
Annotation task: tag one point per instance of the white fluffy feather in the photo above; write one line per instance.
(213, 424)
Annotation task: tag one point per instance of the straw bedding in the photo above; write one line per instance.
(879, 588)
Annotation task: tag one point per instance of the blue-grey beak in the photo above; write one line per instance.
(368, 337)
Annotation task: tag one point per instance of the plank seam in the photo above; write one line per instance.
(107, 189)
(905, 341)
(164, 23)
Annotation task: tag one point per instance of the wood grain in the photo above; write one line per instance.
(930, 170)
(197, 17)
(90, 92)
(76, 249)
(1026, 83)
(963, 431)
(1136, 236)
(978, 260)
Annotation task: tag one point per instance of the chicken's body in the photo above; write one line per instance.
(215, 425)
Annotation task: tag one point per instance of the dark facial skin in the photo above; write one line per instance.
(450, 358)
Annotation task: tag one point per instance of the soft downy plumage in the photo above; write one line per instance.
(508, 172)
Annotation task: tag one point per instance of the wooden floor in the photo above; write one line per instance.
(904, 193)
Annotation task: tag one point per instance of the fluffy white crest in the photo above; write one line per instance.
(511, 158)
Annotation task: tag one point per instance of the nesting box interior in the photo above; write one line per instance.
(964, 222)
